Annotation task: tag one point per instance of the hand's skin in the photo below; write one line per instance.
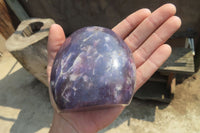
(145, 33)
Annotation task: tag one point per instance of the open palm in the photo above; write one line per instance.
(145, 33)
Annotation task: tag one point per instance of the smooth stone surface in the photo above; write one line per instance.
(93, 68)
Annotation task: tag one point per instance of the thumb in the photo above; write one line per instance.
(55, 40)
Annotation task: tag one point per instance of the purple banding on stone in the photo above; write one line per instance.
(93, 68)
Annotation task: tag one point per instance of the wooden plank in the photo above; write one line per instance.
(171, 83)
(6, 27)
(180, 61)
(154, 91)
(157, 77)
(17, 9)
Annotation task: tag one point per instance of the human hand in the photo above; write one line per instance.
(145, 33)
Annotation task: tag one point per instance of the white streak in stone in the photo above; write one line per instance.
(93, 72)
(98, 57)
(118, 87)
(73, 77)
(74, 88)
(88, 37)
(115, 63)
(107, 45)
(109, 67)
(85, 78)
(96, 42)
(61, 72)
(56, 62)
(78, 60)
(107, 39)
(106, 82)
(65, 95)
(115, 95)
(89, 49)
(68, 57)
(95, 52)
(120, 73)
(64, 77)
(52, 83)
(128, 81)
(90, 85)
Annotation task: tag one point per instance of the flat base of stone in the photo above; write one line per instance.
(92, 108)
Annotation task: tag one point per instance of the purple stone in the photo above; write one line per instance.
(94, 68)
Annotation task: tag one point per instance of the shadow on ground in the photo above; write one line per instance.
(22, 91)
(140, 110)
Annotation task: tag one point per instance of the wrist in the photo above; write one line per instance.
(60, 125)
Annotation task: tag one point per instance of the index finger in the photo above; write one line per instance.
(131, 22)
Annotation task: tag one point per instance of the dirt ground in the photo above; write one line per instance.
(25, 106)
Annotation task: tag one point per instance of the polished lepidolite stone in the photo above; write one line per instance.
(93, 68)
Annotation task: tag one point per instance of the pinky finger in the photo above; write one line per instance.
(151, 65)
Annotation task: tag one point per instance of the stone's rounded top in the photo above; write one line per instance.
(93, 68)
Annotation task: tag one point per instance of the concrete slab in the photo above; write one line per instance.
(25, 106)
(24, 102)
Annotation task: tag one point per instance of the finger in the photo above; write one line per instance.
(55, 40)
(146, 70)
(160, 36)
(149, 25)
(131, 22)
